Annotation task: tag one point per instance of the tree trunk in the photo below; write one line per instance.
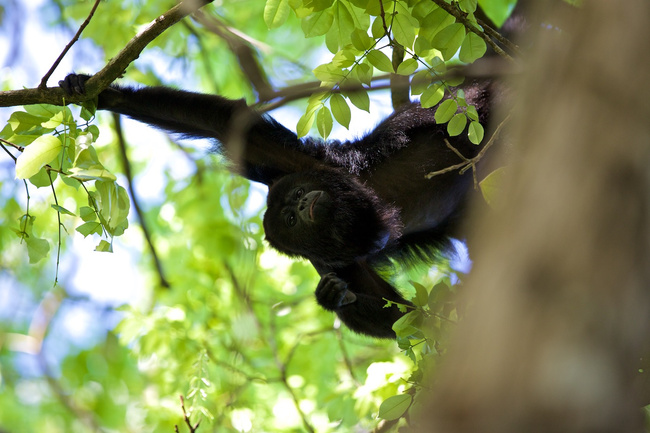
(558, 301)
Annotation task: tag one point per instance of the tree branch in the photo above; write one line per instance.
(49, 73)
(461, 17)
(113, 69)
(136, 202)
(243, 50)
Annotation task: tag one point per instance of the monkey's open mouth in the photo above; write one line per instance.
(313, 203)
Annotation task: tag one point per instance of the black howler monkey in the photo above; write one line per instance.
(345, 206)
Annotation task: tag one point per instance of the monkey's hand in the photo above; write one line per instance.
(332, 292)
(74, 84)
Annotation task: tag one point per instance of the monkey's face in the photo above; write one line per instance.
(325, 216)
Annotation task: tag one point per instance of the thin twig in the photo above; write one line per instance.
(468, 163)
(136, 202)
(186, 418)
(113, 69)
(7, 150)
(49, 73)
(498, 36)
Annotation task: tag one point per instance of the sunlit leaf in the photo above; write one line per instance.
(340, 110)
(324, 122)
(449, 39)
(318, 24)
(407, 67)
(457, 124)
(446, 111)
(62, 210)
(497, 10)
(394, 407)
(380, 61)
(42, 151)
(491, 186)
(37, 249)
(359, 99)
(403, 30)
(473, 48)
(276, 13)
(89, 228)
(432, 95)
(475, 132)
(104, 246)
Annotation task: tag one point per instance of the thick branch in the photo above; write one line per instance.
(115, 67)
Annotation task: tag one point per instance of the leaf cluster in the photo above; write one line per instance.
(52, 145)
(361, 34)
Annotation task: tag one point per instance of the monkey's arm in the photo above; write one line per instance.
(358, 296)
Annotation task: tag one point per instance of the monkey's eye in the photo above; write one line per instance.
(298, 193)
(290, 220)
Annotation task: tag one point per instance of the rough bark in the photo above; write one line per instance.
(558, 299)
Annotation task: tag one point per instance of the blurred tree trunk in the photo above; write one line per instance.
(558, 301)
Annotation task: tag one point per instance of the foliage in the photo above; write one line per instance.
(223, 321)
(359, 33)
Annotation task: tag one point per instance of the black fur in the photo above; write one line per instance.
(348, 207)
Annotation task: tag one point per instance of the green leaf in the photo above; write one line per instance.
(497, 10)
(62, 210)
(89, 228)
(363, 72)
(475, 132)
(472, 113)
(361, 41)
(324, 122)
(87, 213)
(347, 18)
(318, 24)
(377, 29)
(403, 29)
(407, 67)
(305, 122)
(434, 22)
(473, 48)
(408, 324)
(491, 186)
(276, 13)
(457, 124)
(37, 249)
(42, 151)
(380, 61)
(91, 174)
(113, 205)
(104, 247)
(432, 95)
(421, 80)
(343, 59)
(88, 167)
(446, 111)
(468, 6)
(340, 110)
(329, 73)
(43, 178)
(421, 295)
(88, 109)
(394, 407)
(449, 39)
(359, 99)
